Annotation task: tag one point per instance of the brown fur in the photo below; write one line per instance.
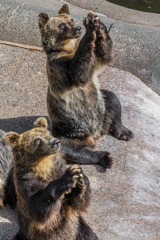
(43, 167)
(50, 196)
(6, 161)
(77, 107)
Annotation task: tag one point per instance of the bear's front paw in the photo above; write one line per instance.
(105, 159)
(94, 20)
(100, 28)
(81, 181)
(90, 36)
(88, 25)
(71, 177)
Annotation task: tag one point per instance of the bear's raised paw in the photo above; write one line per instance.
(94, 20)
(71, 177)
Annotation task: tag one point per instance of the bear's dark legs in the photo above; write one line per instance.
(85, 232)
(113, 112)
(103, 52)
(19, 237)
(10, 191)
(75, 150)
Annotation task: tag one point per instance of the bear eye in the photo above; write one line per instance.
(72, 20)
(37, 141)
(62, 26)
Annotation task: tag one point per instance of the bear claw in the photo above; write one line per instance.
(94, 20)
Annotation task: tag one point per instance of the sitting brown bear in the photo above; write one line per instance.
(78, 109)
(50, 196)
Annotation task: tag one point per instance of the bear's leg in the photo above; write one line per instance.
(113, 117)
(19, 237)
(75, 150)
(85, 232)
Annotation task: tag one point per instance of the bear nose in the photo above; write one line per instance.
(78, 28)
(56, 143)
(78, 31)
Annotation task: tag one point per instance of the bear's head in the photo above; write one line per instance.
(57, 29)
(34, 144)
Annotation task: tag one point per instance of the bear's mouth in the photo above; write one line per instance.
(78, 35)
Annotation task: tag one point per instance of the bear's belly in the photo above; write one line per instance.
(55, 227)
(78, 113)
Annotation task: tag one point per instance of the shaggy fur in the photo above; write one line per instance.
(6, 161)
(51, 197)
(79, 110)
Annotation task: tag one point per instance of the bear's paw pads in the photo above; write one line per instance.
(81, 181)
(72, 175)
(94, 19)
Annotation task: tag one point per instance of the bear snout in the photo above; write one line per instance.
(78, 30)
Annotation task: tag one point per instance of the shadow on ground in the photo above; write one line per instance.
(8, 223)
(23, 124)
(20, 124)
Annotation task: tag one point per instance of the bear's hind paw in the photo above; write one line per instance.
(123, 134)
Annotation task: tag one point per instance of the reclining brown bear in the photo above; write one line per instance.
(50, 196)
(78, 109)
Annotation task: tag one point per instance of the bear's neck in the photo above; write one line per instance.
(70, 45)
(42, 167)
(64, 47)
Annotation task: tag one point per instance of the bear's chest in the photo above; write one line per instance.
(84, 98)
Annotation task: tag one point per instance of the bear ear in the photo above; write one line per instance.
(40, 122)
(12, 138)
(64, 9)
(43, 18)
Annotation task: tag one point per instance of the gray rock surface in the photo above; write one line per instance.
(125, 199)
(137, 47)
(117, 12)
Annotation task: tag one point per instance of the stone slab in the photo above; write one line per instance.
(136, 47)
(119, 13)
(125, 199)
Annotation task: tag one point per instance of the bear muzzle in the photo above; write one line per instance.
(78, 31)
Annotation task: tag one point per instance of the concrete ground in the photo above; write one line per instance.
(125, 199)
(136, 44)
